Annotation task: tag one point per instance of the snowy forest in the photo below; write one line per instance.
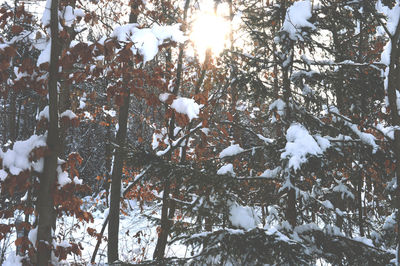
(199, 132)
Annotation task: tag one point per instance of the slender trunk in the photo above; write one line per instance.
(159, 251)
(340, 80)
(45, 204)
(263, 213)
(65, 89)
(13, 103)
(17, 122)
(237, 134)
(109, 150)
(181, 52)
(397, 153)
(4, 123)
(360, 208)
(291, 201)
(113, 227)
(208, 223)
(168, 208)
(392, 87)
(339, 83)
(340, 205)
(103, 228)
(291, 207)
(276, 72)
(12, 116)
(233, 73)
(64, 104)
(393, 83)
(126, 191)
(28, 204)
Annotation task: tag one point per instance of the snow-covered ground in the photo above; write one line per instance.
(137, 236)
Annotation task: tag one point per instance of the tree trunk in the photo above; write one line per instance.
(168, 207)
(108, 151)
(45, 200)
(393, 86)
(65, 90)
(291, 201)
(113, 227)
(397, 153)
(359, 203)
(340, 205)
(165, 223)
(291, 207)
(12, 116)
(18, 121)
(64, 105)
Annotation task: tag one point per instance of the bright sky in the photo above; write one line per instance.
(210, 29)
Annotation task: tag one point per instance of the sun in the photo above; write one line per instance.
(209, 31)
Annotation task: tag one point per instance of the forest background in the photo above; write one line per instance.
(231, 132)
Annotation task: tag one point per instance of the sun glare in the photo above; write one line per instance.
(209, 31)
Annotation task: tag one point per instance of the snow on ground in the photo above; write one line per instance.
(12, 260)
(133, 226)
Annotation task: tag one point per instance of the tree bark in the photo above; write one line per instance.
(360, 207)
(109, 150)
(168, 207)
(64, 105)
(291, 201)
(159, 251)
(65, 90)
(45, 198)
(291, 207)
(126, 191)
(393, 86)
(113, 227)
(12, 117)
